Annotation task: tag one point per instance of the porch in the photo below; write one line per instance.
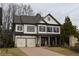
(48, 41)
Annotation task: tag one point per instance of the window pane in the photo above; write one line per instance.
(30, 29)
(56, 29)
(19, 28)
(42, 28)
(49, 29)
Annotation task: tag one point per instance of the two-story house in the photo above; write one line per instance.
(32, 31)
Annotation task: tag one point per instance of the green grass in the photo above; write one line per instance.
(65, 51)
(11, 52)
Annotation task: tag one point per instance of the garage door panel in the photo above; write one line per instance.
(20, 42)
(31, 43)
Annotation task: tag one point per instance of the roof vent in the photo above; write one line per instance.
(38, 15)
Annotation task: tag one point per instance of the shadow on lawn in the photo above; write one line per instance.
(75, 49)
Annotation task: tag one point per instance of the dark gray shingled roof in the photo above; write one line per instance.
(31, 19)
(27, 19)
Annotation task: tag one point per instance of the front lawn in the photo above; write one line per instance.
(11, 52)
(65, 51)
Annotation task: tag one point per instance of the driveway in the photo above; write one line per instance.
(39, 51)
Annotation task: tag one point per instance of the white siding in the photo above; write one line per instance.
(51, 20)
(24, 37)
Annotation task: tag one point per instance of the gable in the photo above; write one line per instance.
(51, 20)
(41, 21)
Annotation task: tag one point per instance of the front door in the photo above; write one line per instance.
(52, 41)
(44, 41)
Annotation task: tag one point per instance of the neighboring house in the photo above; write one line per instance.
(32, 31)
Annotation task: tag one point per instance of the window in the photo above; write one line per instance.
(56, 29)
(30, 29)
(19, 28)
(49, 29)
(42, 28)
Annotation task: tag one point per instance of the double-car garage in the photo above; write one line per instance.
(25, 41)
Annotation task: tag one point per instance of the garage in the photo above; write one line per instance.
(31, 42)
(20, 43)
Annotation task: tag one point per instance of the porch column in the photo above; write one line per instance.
(49, 41)
(40, 41)
(36, 41)
(59, 41)
(55, 40)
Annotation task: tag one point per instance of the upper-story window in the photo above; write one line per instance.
(49, 29)
(56, 29)
(42, 28)
(30, 28)
(19, 28)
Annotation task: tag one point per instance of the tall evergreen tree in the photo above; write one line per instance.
(67, 29)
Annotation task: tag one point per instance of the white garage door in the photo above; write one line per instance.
(20, 42)
(31, 43)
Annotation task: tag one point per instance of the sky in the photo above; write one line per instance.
(59, 11)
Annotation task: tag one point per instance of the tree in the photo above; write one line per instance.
(8, 18)
(9, 10)
(67, 29)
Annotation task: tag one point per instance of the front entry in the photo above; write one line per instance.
(52, 41)
(49, 41)
(44, 41)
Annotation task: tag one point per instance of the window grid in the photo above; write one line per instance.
(30, 29)
(19, 28)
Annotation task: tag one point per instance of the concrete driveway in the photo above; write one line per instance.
(39, 51)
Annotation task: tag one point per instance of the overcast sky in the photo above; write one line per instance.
(59, 11)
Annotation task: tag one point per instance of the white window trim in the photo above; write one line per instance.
(19, 30)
